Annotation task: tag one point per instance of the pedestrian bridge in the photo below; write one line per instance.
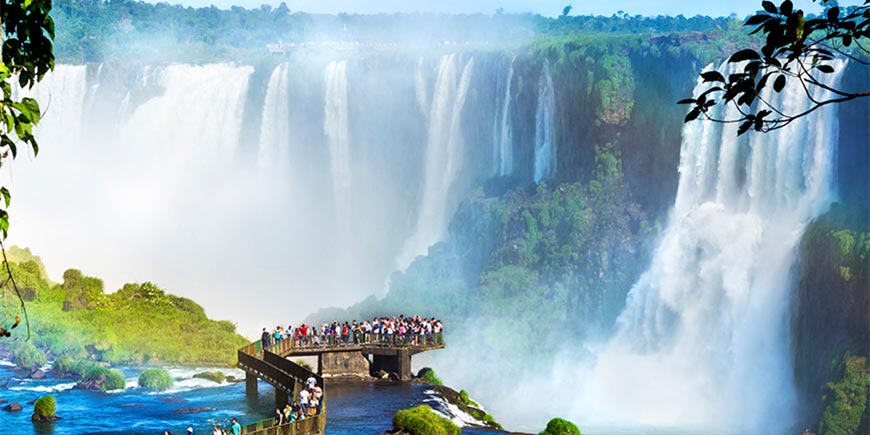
(335, 357)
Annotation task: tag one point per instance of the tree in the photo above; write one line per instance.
(795, 48)
(567, 10)
(27, 56)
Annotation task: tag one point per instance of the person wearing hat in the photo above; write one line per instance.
(190, 430)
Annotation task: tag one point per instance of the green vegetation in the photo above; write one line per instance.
(27, 356)
(217, 377)
(423, 421)
(304, 364)
(140, 323)
(428, 376)
(44, 408)
(156, 379)
(846, 402)
(558, 426)
(63, 365)
(107, 379)
(832, 329)
(467, 400)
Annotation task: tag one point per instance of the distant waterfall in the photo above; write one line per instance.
(444, 148)
(61, 96)
(502, 140)
(545, 135)
(704, 337)
(421, 91)
(336, 130)
(274, 127)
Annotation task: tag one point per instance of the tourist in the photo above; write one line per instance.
(166, 432)
(266, 338)
(217, 430)
(303, 401)
(318, 394)
(288, 414)
(190, 430)
(279, 419)
(310, 382)
(236, 427)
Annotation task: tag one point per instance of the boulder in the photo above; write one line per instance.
(13, 407)
(37, 417)
(380, 374)
(37, 374)
(193, 410)
(98, 384)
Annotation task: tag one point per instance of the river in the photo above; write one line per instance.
(354, 409)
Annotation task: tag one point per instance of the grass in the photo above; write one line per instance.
(423, 421)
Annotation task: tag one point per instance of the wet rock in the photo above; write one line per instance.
(37, 374)
(234, 380)
(37, 417)
(187, 411)
(172, 399)
(394, 376)
(13, 407)
(380, 374)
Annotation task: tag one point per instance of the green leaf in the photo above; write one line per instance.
(742, 55)
(827, 69)
(833, 14)
(692, 115)
(769, 6)
(686, 101)
(7, 197)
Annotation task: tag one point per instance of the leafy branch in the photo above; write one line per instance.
(795, 49)
(27, 56)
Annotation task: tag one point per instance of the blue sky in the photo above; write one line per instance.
(544, 7)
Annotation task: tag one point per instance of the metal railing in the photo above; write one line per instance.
(285, 375)
(315, 342)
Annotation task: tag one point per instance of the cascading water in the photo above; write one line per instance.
(704, 340)
(336, 130)
(502, 138)
(274, 129)
(61, 96)
(444, 148)
(545, 135)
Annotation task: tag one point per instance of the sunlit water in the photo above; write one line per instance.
(354, 409)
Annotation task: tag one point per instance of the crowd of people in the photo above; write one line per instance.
(307, 404)
(413, 331)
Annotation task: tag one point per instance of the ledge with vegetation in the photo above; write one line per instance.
(74, 322)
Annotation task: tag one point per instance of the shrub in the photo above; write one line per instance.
(558, 426)
(115, 380)
(423, 421)
(428, 376)
(82, 366)
(63, 365)
(155, 379)
(28, 356)
(303, 364)
(211, 376)
(45, 407)
(846, 401)
(112, 379)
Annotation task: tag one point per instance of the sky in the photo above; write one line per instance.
(543, 7)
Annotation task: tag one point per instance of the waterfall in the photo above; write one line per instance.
(420, 89)
(502, 140)
(704, 339)
(61, 96)
(545, 135)
(444, 149)
(336, 130)
(274, 129)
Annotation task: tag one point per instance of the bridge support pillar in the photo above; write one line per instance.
(398, 363)
(250, 384)
(280, 398)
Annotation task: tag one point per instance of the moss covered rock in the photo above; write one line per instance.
(559, 426)
(211, 376)
(99, 378)
(44, 409)
(427, 375)
(423, 421)
(155, 379)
